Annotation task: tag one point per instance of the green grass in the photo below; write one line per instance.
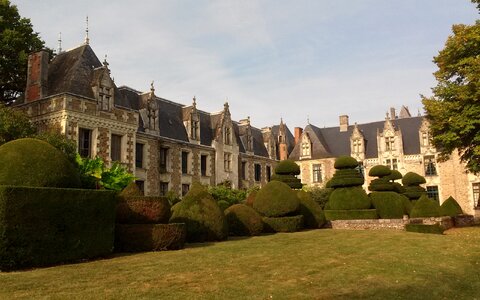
(321, 264)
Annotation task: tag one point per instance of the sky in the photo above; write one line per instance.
(300, 60)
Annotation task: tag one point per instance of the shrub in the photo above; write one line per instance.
(290, 180)
(131, 190)
(394, 175)
(381, 185)
(205, 221)
(349, 198)
(425, 207)
(223, 205)
(412, 179)
(422, 228)
(243, 220)
(346, 178)
(276, 199)
(414, 192)
(379, 171)
(60, 141)
(353, 214)
(142, 210)
(149, 237)
(345, 162)
(287, 167)
(283, 224)
(407, 205)
(172, 198)
(313, 215)
(44, 226)
(35, 163)
(450, 207)
(226, 193)
(319, 195)
(389, 205)
(251, 198)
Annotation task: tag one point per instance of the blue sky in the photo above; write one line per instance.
(271, 59)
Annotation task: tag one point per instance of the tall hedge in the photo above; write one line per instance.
(45, 226)
(389, 205)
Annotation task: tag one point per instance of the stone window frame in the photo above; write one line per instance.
(357, 146)
(243, 169)
(425, 138)
(164, 188)
(227, 135)
(433, 192)
(268, 172)
(90, 146)
(389, 143)
(392, 163)
(430, 165)
(476, 195)
(306, 147)
(143, 156)
(185, 160)
(185, 188)
(258, 172)
(207, 172)
(122, 148)
(317, 173)
(163, 168)
(227, 161)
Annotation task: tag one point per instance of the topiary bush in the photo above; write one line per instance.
(276, 199)
(149, 237)
(283, 224)
(285, 172)
(312, 213)
(450, 207)
(346, 178)
(205, 221)
(389, 205)
(243, 220)
(412, 189)
(251, 198)
(223, 205)
(423, 228)
(142, 210)
(35, 163)
(412, 178)
(319, 195)
(379, 171)
(382, 183)
(349, 198)
(345, 162)
(424, 208)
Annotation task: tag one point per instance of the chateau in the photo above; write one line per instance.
(168, 145)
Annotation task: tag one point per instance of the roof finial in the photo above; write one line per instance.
(194, 101)
(308, 119)
(87, 40)
(152, 88)
(105, 63)
(59, 42)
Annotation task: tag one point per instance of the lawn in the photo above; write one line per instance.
(321, 264)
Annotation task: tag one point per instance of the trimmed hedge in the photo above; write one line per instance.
(354, 214)
(45, 226)
(142, 210)
(205, 220)
(407, 205)
(35, 163)
(276, 199)
(243, 220)
(395, 175)
(422, 228)
(311, 211)
(450, 207)
(379, 171)
(414, 192)
(349, 198)
(131, 190)
(149, 237)
(287, 167)
(381, 185)
(412, 179)
(389, 205)
(283, 224)
(425, 207)
(346, 178)
(345, 162)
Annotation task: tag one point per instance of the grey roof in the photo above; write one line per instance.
(290, 139)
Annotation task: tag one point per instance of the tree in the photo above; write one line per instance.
(14, 124)
(17, 40)
(454, 109)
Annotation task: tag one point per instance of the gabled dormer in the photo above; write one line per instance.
(224, 132)
(426, 145)
(103, 87)
(357, 144)
(269, 142)
(305, 146)
(247, 137)
(149, 111)
(390, 139)
(191, 120)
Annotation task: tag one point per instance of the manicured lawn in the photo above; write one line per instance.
(322, 264)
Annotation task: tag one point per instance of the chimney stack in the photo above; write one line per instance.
(37, 76)
(343, 123)
(298, 134)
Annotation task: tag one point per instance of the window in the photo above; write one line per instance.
(268, 171)
(258, 172)
(392, 163)
(139, 155)
(105, 97)
(390, 143)
(184, 162)
(430, 167)
(228, 136)
(425, 138)
(305, 148)
(163, 159)
(194, 130)
(357, 144)
(227, 161)
(163, 188)
(116, 147)
(432, 192)
(185, 189)
(476, 194)
(244, 170)
(203, 165)
(361, 169)
(141, 185)
(84, 142)
(317, 173)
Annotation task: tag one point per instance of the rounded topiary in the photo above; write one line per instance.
(345, 162)
(283, 224)
(394, 175)
(276, 199)
(450, 207)
(389, 205)
(205, 220)
(381, 185)
(414, 192)
(379, 171)
(412, 179)
(345, 178)
(35, 163)
(313, 215)
(349, 198)
(243, 220)
(223, 204)
(425, 207)
(287, 167)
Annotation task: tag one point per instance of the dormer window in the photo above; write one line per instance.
(390, 143)
(425, 139)
(104, 95)
(306, 149)
(195, 128)
(227, 136)
(357, 146)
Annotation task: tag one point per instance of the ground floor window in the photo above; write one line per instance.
(203, 165)
(84, 142)
(141, 185)
(163, 188)
(317, 173)
(258, 172)
(268, 172)
(432, 192)
(244, 170)
(476, 194)
(185, 189)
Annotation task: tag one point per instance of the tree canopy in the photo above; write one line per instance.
(17, 40)
(454, 109)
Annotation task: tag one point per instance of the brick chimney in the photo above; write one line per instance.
(298, 134)
(343, 123)
(37, 76)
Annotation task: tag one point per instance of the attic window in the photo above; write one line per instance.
(227, 136)
(390, 143)
(104, 95)
(195, 129)
(425, 139)
(357, 146)
(306, 149)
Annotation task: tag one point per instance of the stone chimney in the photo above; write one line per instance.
(343, 123)
(37, 76)
(298, 134)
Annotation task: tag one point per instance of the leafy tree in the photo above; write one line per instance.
(454, 109)
(14, 124)
(17, 40)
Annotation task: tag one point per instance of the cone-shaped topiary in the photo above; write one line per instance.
(345, 162)
(313, 216)
(287, 167)
(425, 207)
(450, 207)
(205, 221)
(243, 220)
(35, 163)
(276, 199)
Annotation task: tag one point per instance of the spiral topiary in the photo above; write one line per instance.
(450, 207)
(285, 172)
(313, 216)
(412, 189)
(205, 220)
(35, 163)
(425, 207)
(243, 220)
(276, 199)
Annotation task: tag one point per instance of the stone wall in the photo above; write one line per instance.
(396, 224)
